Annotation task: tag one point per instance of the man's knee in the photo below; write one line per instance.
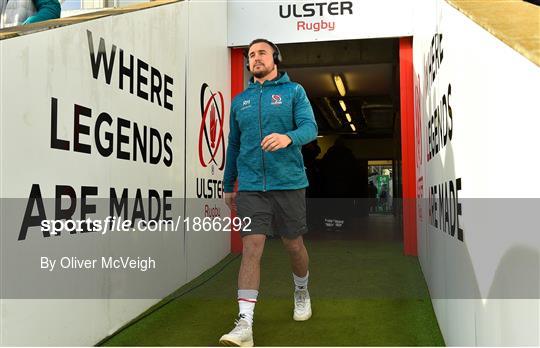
(294, 246)
(253, 246)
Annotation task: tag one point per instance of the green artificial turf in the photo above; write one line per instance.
(363, 294)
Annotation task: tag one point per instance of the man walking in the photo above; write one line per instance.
(269, 123)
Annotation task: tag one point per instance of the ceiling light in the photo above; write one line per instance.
(353, 127)
(343, 106)
(339, 85)
(348, 117)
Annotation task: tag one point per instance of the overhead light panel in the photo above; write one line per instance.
(353, 127)
(343, 105)
(330, 114)
(349, 118)
(340, 85)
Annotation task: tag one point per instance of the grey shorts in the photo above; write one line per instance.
(273, 212)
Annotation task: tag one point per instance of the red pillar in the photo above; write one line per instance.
(237, 86)
(406, 87)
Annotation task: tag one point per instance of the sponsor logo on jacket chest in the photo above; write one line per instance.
(246, 104)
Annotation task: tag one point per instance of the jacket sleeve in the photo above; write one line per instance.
(304, 119)
(233, 149)
(45, 9)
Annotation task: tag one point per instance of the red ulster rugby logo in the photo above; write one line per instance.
(211, 129)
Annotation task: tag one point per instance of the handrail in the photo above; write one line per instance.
(20, 30)
(514, 22)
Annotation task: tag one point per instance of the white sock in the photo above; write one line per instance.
(246, 304)
(301, 283)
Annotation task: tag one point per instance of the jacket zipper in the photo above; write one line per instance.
(261, 134)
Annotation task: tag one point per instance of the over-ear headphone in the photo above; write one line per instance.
(276, 55)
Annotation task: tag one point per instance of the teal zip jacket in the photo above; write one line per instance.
(277, 106)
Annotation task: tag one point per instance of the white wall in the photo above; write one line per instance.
(209, 63)
(81, 308)
(494, 131)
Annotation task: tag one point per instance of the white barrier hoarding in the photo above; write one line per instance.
(475, 123)
(307, 21)
(92, 122)
(207, 124)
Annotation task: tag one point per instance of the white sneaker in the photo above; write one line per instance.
(240, 336)
(302, 305)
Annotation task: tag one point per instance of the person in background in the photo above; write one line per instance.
(310, 151)
(372, 194)
(19, 12)
(339, 171)
(340, 183)
(314, 206)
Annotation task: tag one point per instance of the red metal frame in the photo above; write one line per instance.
(237, 86)
(406, 87)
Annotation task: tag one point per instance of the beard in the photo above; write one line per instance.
(261, 72)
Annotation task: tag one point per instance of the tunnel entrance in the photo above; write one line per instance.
(353, 166)
(371, 120)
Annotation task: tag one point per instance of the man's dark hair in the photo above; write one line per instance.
(276, 54)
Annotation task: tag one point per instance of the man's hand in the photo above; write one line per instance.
(275, 141)
(230, 200)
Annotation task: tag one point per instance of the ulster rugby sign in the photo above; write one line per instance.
(300, 21)
(316, 10)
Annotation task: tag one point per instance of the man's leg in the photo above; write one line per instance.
(250, 268)
(298, 255)
(248, 289)
(299, 261)
(249, 275)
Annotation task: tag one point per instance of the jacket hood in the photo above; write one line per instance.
(279, 80)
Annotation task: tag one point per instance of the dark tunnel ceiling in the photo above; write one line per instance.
(370, 72)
